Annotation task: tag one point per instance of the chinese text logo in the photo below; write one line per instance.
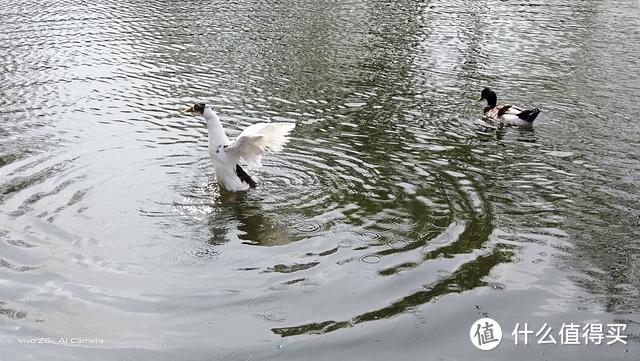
(485, 334)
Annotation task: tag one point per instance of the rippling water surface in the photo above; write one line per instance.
(394, 219)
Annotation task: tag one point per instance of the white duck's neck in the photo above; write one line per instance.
(216, 132)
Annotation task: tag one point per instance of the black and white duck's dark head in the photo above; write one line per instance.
(490, 96)
(197, 108)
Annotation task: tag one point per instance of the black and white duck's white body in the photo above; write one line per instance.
(506, 114)
(247, 148)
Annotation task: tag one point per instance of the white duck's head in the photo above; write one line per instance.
(197, 108)
(217, 135)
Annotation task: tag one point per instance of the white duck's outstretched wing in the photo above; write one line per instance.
(257, 140)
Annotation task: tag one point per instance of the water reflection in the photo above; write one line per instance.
(253, 224)
(466, 277)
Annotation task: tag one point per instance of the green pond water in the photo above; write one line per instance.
(392, 221)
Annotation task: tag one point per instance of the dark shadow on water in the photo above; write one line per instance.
(478, 227)
(254, 225)
(488, 132)
(467, 277)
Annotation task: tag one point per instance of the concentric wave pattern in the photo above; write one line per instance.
(366, 195)
(362, 203)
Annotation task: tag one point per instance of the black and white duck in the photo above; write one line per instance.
(506, 114)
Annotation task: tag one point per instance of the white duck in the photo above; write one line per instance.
(506, 114)
(248, 147)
